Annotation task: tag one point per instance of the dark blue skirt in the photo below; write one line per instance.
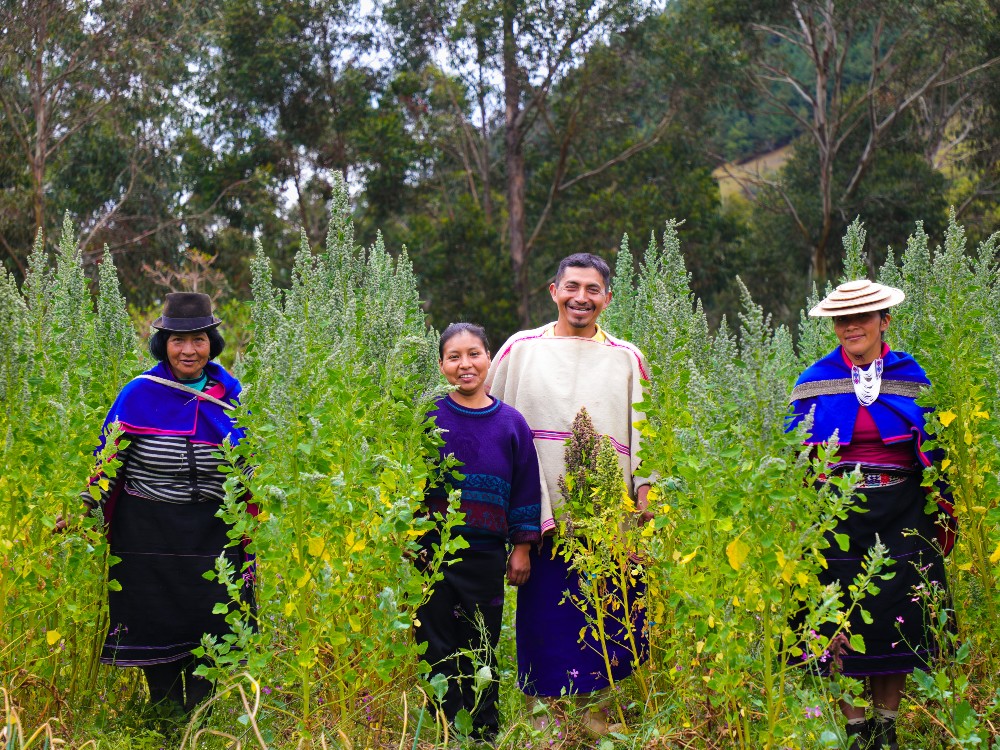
(551, 657)
(899, 638)
(165, 604)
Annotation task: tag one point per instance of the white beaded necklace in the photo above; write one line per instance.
(867, 383)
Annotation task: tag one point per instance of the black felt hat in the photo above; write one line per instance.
(186, 312)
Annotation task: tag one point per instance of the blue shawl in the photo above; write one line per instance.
(144, 407)
(898, 417)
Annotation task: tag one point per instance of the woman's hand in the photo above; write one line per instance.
(519, 564)
(62, 524)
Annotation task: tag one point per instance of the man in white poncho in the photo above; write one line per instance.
(548, 374)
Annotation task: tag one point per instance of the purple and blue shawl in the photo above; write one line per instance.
(145, 407)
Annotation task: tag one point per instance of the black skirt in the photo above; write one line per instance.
(899, 638)
(165, 604)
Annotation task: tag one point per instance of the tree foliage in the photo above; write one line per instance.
(492, 138)
(801, 56)
(89, 101)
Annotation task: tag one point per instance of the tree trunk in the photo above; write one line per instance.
(38, 189)
(38, 103)
(484, 159)
(819, 271)
(818, 262)
(514, 159)
(825, 134)
(303, 209)
(483, 156)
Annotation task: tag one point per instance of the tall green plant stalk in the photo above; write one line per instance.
(340, 372)
(598, 536)
(951, 325)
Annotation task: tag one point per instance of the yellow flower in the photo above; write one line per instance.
(627, 502)
(947, 417)
(995, 557)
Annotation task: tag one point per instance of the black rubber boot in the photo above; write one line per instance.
(883, 734)
(859, 736)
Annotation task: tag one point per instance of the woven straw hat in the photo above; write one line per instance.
(857, 297)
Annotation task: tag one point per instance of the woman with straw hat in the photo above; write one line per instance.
(865, 393)
(161, 505)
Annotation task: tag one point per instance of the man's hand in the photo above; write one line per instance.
(642, 504)
(519, 564)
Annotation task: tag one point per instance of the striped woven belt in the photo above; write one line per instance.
(874, 478)
(881, 479)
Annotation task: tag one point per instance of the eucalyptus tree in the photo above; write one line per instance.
(527, 68)
(292, 94)
(906, 58)
(89, 99)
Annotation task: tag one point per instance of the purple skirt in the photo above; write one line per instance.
(551, 657)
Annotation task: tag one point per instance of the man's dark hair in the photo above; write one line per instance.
(456, 328)
(585, 260)
(158, 343)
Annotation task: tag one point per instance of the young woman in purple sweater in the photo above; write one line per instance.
(501, 498)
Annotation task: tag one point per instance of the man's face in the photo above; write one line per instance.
(580, 297)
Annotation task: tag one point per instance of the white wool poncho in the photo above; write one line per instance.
(549, 378)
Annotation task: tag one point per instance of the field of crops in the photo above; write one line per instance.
(338, 373)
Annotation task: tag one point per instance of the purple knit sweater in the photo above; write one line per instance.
(501, 489)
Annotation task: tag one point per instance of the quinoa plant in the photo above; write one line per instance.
(731, 559)
(951, 326)
(339, 376)
(599, 538)
(13, 335)
(61, 372)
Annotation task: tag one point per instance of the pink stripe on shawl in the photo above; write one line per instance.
(562, 437)
(607, 342)
(506, 351)
(135, 430)
(635, 352)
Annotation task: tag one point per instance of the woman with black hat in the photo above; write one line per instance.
(866, 393)
(161, 506)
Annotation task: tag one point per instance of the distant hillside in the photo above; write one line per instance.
(736, 179)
